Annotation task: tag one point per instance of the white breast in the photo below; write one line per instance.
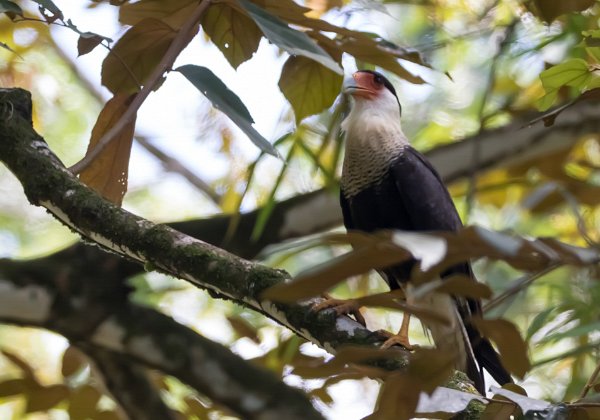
(374, 139)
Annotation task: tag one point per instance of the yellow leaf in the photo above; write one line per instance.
(234, 33)
(308, 86)
(107, 174)
(135, 55)
(195, 408)
(512, 348)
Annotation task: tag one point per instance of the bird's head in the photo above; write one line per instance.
(373, 89)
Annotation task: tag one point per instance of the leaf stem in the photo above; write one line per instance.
(590, 382)
(179, 42)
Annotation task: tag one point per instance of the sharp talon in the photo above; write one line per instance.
(341, 307)
(397, 339)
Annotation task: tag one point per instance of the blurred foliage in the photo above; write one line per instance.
(484, 64)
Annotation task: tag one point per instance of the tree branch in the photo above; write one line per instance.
(94, 313)
(48, 183)
(129, 384)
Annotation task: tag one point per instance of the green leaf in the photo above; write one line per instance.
(227, 102)
(538, 322)
(234, 33)
(574, 72)
(594, 83)
(573, 332)
(267, 209)
(308, 86)
(288, 39)
(10, 7)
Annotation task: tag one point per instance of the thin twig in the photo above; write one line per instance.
(169, 162)
(173, 165)
(476, 156)
(590, 383)
(179, 42)
(517, 286)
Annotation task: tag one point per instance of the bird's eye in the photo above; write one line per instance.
(378, 79)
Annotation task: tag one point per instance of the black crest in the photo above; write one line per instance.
(380, 77)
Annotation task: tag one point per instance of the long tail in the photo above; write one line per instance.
(474, 352)
(487, 357)
(453, 337)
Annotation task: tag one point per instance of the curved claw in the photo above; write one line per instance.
(342, 307)
(394, 339)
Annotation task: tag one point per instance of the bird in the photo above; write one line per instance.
(387, 184)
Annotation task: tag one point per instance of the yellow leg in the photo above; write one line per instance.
(400, 338)
(341, 307)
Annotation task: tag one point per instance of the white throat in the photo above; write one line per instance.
(374, 139)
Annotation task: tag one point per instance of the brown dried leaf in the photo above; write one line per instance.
(322, 394)
(87, 42)
(234, 33)
(321, 278)
(107, 174)
(348, 362)
(107, 415)
(397, 399)
(369, 50)
(430, 368)
(465, 286)
(21, 364)
(135, 55)
(499, 410)
(173, 12)
(83, 402)
(72, 361)
(44, 398)
(551, 9)
(308, 86)
(12, 387)
(391, 300)
(243, 328)
(512, 348)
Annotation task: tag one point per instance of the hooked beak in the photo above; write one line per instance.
(359, 86)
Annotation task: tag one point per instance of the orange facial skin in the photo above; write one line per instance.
(365, 85)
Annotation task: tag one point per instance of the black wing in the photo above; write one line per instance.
(425, 199)
(428, 204)
(346, 213)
